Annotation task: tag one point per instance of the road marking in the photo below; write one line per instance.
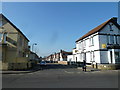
(69, 72)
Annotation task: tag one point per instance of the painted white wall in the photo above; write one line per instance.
(70, 58)
(99, 56)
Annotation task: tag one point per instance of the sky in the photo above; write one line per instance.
(57, 25)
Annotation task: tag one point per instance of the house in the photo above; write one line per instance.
(58, 57)
(100, 46)
(14, 49)
(34, 58)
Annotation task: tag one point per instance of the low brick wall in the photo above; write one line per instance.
(21, 63)
(3, 66)
(108, 66)
(63, 62)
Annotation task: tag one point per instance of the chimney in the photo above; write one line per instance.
(114, 19)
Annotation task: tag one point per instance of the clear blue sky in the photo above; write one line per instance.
(55, 26)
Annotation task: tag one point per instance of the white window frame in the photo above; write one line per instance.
(111, 39)
(91, 41)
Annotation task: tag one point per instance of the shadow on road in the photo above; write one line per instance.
(57, 66)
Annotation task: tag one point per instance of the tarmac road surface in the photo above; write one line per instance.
(56, 76)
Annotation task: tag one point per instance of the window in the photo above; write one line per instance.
(91, 41)
(81, 56)
(4, 37)
(111, 26)
(80, 45)
(20, 41)
(76, 59)
(84, 43)
(0, 23)
(92, 56)
(110, 39)
(107, 39)
(84, 56)
(117, 57)
(1, 37)
(116, 40)
(70, 59)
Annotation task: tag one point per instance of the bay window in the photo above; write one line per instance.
(111, 39)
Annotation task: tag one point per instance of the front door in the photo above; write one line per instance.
(111, 57)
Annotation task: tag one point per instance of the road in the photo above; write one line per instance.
(56, 76)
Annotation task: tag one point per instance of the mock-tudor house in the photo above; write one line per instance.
(14, 49)
(101, 45)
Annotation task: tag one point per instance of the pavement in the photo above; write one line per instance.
(88, 69)
(34, 69)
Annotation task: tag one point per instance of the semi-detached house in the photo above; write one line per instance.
(14, 49)
(100, 45)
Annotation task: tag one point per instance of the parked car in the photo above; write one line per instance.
(42, 63)
(48, 61)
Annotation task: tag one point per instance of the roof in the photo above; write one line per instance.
(69, 53)
(2, 16)
(100, 27)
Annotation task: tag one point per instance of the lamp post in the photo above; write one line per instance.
(33, 45)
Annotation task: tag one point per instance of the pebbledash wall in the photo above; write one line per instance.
(100, 46)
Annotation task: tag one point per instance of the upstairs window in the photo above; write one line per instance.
(111, 40)
(84, 43)
(80, 46)
(4, 37)
(111, 26)
(91, 40)
(116, 39)
(20, 41)
(0, 23)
